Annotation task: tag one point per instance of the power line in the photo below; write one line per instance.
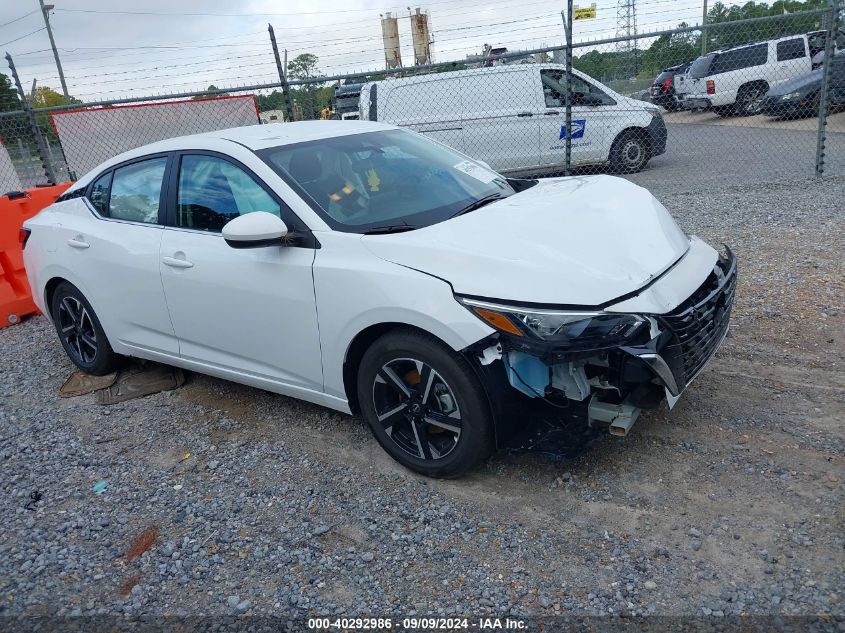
(23, 36)
(25, 15)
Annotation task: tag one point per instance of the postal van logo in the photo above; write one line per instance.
(578, 127)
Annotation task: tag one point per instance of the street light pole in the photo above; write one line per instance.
(45, 11)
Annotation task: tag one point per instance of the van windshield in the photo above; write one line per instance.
(701, 66)
(386, 179)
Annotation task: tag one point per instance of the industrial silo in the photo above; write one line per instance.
(390, 35)
(420, 36)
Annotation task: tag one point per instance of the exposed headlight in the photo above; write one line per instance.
(577, 330)
(790, 96)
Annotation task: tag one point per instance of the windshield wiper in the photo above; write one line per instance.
(472, 206)
(389, 228)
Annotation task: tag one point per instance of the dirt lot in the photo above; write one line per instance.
(730, 504)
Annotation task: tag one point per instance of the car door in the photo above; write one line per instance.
(114, 253)
(593, 113)
(246, 311)
(501, 111)
(793, 59)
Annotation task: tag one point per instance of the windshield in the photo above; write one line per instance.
(701, 67)
(367, 181)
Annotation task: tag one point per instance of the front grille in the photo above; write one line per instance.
(699, 324)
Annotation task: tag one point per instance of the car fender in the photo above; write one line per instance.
(347, 274)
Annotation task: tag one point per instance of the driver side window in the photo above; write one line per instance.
(583, 92)
(213, 191)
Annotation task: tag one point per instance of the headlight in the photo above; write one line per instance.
(791, 95)
(576, 330)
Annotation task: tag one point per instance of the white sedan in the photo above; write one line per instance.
(367, 269)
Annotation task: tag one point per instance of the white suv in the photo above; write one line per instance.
(736, 80)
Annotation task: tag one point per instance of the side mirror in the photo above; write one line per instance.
(254, 230)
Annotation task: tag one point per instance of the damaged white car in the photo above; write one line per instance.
(367, 269)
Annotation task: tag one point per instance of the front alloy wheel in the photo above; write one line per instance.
(417, 409)
(424, 404)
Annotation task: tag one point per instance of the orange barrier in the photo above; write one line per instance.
(15, 295)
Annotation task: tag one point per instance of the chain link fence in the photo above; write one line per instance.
(756, 100)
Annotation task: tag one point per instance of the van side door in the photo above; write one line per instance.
(431, 107)
(501, 113)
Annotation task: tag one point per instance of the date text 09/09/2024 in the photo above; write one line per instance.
(415, 624)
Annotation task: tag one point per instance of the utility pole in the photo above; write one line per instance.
(567, 28)
(45, 11)
(703, 30)
(283, 75)
(43, 152)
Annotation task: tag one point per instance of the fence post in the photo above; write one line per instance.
(824, 93)
(283, 74)
(567, 26)
(33, 123)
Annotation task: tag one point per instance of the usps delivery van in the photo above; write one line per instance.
(514, 117)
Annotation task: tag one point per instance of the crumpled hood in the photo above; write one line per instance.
(576, 241)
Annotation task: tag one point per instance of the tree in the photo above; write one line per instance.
(211, 91)
(309, 98)
(8, 95)
(46, 97)
(303, 67)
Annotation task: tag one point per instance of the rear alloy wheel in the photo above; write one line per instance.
(629, 153)
(80, 332)
(749, 101)
(424, 404)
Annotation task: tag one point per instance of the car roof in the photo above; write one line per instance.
(257, 137)
(504, 68)
(253, 137)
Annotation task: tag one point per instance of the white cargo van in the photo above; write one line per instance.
(736, 80)
(514, 117)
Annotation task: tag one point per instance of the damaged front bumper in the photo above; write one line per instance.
(610, 385)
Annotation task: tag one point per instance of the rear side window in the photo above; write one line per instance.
(791, 49)
(99, 195)
(136, 191)
(701, 66)
(213, 191)
(740, 58)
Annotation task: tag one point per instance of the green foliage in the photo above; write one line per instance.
(8, 95)
(211, 91)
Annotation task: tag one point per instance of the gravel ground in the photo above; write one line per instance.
(226, 500)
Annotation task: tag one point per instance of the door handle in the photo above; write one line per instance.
(523, 114)
(174, 262)
(78, 242)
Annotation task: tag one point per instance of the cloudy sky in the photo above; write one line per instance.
(124, 48)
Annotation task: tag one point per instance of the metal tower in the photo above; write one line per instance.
(626, 26)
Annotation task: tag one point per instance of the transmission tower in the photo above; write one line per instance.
(626, 26)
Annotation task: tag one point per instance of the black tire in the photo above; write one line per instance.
(438, 387)
(749, 99)
(80, 332)
(629, 153)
